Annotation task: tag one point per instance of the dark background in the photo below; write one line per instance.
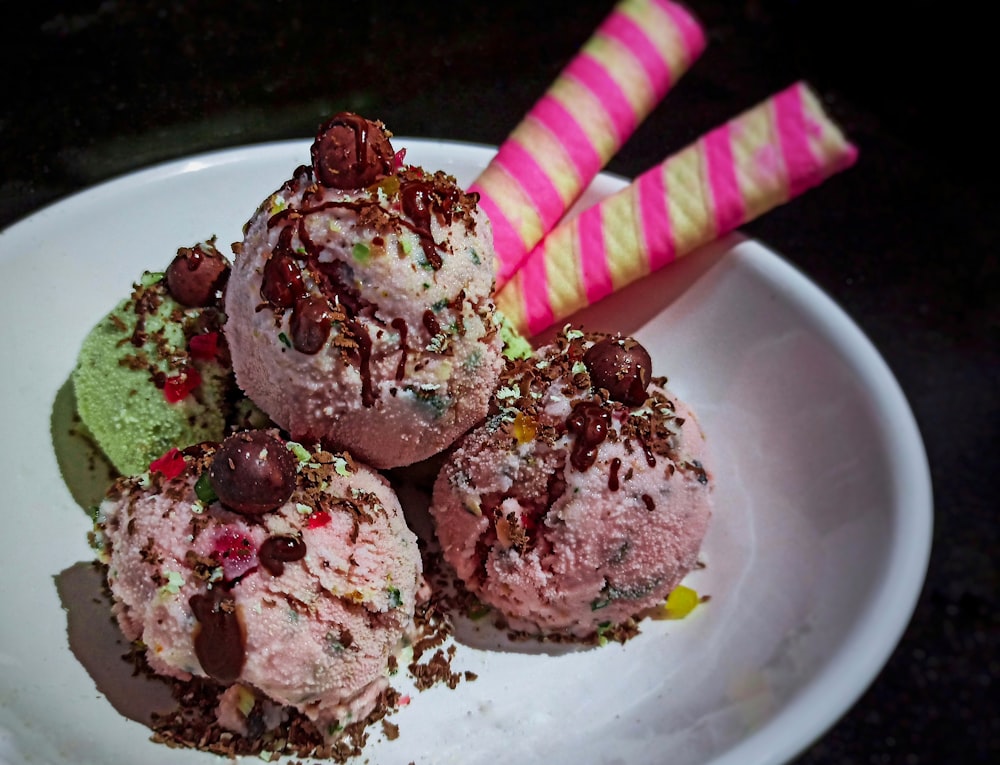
(906, 241)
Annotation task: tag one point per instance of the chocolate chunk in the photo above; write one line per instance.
(219, 642)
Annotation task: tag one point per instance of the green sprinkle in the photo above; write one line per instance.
(572, 334)
(301, 453)
(514, 344)
(340, 465)
(407, 244)
(303, 509)
(507, 392)
(284, 339)
(602, 632)
(361, 252)
(204, 490)
(474, 360)
(440, 305)
(173, 585)
(395, 598)
(427, 395)
(439, 343)
(579, 367)
(423, 262)
(149, 278)
(475, 257)
(332, 643)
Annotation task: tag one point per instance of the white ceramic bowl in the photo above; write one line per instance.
(815, 556)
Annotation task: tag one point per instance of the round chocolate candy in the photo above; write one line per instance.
(621, 366)
(351, 152)
(196, 275)
(253, 472)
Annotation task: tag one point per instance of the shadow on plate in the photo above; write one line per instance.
(99, 646)
(647, 297)
(86, 471)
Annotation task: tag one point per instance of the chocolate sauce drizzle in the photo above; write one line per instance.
(590, 423)
(417, 201)
(364, 341)
(282, 282)
(401, 327)
(276, 551)
(431, 323)
(616, 465)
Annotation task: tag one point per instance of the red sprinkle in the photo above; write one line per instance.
(170, 464)
(397, 159)
(177, 388)
(235, 551)
(318, 519)
(204, 347)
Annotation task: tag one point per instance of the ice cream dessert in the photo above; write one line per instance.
(583, 499)
(286, 574)
(154, 373)
(359, 306)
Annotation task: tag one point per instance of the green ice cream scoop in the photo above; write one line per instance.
(153, 375)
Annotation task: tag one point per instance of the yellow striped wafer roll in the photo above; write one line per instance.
(627, 66)
(753, 163)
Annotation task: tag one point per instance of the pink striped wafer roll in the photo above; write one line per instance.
(636, 55)
(761, 159)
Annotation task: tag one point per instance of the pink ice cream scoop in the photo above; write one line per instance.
(584, 498)
(360, 307)
(288, 575)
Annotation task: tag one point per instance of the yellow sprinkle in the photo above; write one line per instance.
(244, 700)
(681, 602)
(524, 428)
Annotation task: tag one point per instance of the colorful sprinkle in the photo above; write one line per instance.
(204, 347)
(180, 386)
(170, 465)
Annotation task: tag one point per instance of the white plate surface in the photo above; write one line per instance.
(815, 556)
